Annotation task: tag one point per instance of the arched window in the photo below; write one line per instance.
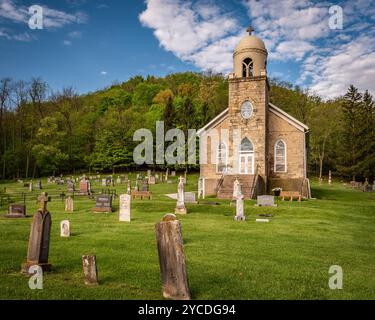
(247, 68)
(246, 146)
(221, 163)
(280, 156)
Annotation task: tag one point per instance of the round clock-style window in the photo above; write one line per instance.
(246, 110)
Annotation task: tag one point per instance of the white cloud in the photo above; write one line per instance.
(103, 73)
(199, 33)
(25, 37)
(67, 43)
(75, 34)
(352, 63)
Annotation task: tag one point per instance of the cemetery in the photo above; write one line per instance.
(96, 241)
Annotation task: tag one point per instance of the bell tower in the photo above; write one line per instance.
(248, 108)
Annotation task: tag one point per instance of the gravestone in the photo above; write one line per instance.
(104, 183)
(84, 188)
(129, 189)
(39, 185)
(262, 220)
(118, 180)
(367, 187)
(173, 173)
(151, 180)
(30, 186)
(136, 188)
(65, 228)
(240, 208)
(172, 259)
(180, 206)
(39, 238)
(70, 186)
(103, 203)
(16, 211)
(190, 197)
(90, 270)
(148, 173)
(201, 188)
(237, 192)
(69, 204)
(125, 207)
(145, 185)
(266, 201)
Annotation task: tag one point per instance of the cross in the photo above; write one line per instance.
(250, 30)
(43, 199)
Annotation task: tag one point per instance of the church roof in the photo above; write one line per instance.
(250, 42)
(272, 108)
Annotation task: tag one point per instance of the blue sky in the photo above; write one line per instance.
(89, 44)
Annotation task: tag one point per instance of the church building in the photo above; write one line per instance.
(252, 140)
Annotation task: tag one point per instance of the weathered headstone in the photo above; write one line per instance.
(151, 180)
(190, 197)
(103, 203)
(84, 188)
(16, 211)
(237, 192)
(70, 186)
(173, 173)
(39, 185)
(136, 188)
(240, 208)
(367, 187)
(129, 188)
(118, 180)
(39, 238)
(65, 228)
(30, 186)
(180, 206)
(90, 270)
(69, 205)
(104, 182)
(201, 188)
(172, 259)
(145, 185)
(125, 207)
(148, 173)
(266, 201)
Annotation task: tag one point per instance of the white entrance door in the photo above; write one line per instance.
(247, 163)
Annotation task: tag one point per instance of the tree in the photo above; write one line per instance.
(351, 132)
(47, 152)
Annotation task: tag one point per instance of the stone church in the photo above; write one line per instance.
(252, 140)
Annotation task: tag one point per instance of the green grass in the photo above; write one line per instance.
(287, 258)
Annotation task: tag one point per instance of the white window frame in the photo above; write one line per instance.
(217, 157)
(285, 157)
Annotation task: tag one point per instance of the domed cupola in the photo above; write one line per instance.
(250, 57)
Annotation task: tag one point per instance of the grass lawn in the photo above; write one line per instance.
(287, 258)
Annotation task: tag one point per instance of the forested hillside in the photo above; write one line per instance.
(44, 132)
